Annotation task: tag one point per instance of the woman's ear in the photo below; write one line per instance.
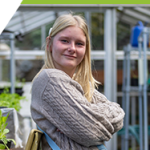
(51, 47)
(49, 43)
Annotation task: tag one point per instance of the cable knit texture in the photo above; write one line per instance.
(58, 102)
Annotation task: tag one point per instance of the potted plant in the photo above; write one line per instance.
(18, 87)
(4, 142)
(11, 100)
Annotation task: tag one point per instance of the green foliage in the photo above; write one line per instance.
(11, 100)
(4, 131)
(97, 31)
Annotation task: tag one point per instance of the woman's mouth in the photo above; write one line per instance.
(70, 56)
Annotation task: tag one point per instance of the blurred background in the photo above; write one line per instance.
(120, 60)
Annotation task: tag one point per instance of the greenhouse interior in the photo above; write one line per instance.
(120, 56)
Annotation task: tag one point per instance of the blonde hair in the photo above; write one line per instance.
(83, 73)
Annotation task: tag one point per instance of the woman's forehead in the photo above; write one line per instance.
(71, 31)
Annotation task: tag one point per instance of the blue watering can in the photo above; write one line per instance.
(136, 30)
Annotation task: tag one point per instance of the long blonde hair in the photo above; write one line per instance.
(83, 73)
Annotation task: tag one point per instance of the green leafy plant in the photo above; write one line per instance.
(4, 131)
(11, 100)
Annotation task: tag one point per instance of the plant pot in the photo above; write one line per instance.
(18, 90)
(8, 144)
(1, 107)
(134, 82)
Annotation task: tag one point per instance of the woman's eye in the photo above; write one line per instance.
(65, 41)
(80, 44)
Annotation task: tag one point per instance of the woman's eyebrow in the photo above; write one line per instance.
(83, 41)
(63, 37)
(79, 40)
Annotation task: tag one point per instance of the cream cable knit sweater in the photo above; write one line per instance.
(58, 102)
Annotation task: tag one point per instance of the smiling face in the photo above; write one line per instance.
(68, 49)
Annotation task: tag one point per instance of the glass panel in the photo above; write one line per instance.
(97, 31)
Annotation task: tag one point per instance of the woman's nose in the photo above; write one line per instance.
(72, 47)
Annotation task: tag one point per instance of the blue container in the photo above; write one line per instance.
(135, 34)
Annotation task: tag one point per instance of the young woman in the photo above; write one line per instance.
(64, 97)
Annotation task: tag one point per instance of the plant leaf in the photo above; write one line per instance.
(0, 113)
(0, 117)
(11, 100)
(4, 141)
(12, 141)
(7, 147)
(2, 146)
(5, 131)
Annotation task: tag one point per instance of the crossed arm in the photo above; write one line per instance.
(64, 105)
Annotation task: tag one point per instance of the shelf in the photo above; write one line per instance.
(39, 55)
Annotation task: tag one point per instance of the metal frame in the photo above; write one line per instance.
(95, 55)
(110, 13)
(142, 89)
(10, 36)
(26, 13)
(36, 20)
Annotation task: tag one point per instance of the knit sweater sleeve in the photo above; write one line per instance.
(62, 103)
(114, 113)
